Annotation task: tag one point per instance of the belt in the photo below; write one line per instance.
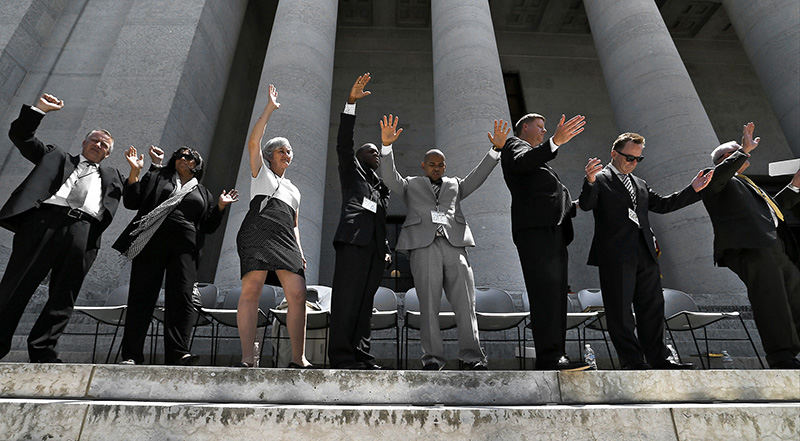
(73, 213)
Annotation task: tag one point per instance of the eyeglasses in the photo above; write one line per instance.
(630, 158)
(186, 156)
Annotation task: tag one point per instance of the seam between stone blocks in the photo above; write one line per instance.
(674, 425)
(86, 395)
(558, 382)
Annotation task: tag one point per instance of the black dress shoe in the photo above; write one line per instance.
(370, 365)
(243, 364)
(673, 366)
(353, 365)
(188, 360)
(640, 366)
(786, 364)
(432, 367)
(474, 366)
(47, 360)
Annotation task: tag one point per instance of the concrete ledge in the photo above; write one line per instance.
(104, 420)
(337, 387)
(44, 380)
(679, 386)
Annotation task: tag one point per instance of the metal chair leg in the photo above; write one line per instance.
(751, 342)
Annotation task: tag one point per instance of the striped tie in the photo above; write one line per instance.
(437, 187)
(629, 185)
(765, 196)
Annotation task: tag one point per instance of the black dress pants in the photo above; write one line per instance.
(635, 282)
(543, 257)
(773, 287)
(356, 277)
(47, 241)
(171, 252)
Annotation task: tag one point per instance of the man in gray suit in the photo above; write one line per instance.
(436, 235)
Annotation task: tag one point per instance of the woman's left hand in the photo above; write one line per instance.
(226, 198)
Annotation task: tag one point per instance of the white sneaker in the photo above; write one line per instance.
(128, 362)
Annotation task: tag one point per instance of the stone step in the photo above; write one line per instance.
(107, 420)
(340, 387)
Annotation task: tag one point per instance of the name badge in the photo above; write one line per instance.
(438, 217)
(633, 217)
(370, 205)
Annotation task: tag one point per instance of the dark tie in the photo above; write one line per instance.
(629, 185)
(77, 196)
(437, 187)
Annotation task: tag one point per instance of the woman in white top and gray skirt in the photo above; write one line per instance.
(269, 240)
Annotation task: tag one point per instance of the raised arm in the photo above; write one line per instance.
(344, 139)
(257, 133)
(389, 135)
(23, 130)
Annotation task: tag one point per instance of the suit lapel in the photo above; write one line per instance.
(618, 186)
(69, 166)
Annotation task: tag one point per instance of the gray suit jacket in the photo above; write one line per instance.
(419, 230)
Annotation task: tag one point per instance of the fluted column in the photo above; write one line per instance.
(299, 62)
(468, 95)
(651, 93)
(770, 34)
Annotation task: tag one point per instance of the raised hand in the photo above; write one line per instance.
(796, 179)
(49, 103)
(748, 143)
(501, 131)
(357, 91)
(701, 180)
(593, 167)
(389, 130)
(156, 155)
(567, 130)
(272, 99)
(136, 162)
(226, 198)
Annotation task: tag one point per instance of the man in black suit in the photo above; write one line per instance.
(57, 214)
(747, 239)
(360, 243)
(541, 226)
(624, 251)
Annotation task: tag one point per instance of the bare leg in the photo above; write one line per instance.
(294, 287)
(247, 313)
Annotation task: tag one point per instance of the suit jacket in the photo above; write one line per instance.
(419, 230)
(52, 167)
(616, 237)
(538, 198)
(741, 218)
(357, 225)
(154, 188)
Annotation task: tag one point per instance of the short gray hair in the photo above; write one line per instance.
(719, 152)
(274, 143)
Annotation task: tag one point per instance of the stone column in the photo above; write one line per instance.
(770, 35)
(651, 93)
(299, 62)
(468, 95)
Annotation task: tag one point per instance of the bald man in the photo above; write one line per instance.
(436, 235)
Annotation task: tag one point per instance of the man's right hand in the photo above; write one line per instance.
(357, 91)
(49, 102)
(567, 130)
(389, 130)
(748, 143)
(593, 167)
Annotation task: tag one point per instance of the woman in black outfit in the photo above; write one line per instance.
(165, 236)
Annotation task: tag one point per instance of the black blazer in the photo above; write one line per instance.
(615, 235)
(154, 188)
(52, 167)
(538, 198)
(357, 225)
(741, 218)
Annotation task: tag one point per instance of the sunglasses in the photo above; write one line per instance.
(186, 156)
(631, 158)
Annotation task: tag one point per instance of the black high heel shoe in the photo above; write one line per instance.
(293, 365)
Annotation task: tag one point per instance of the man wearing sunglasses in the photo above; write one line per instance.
(623, 249)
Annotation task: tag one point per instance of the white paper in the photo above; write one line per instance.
(780, 168)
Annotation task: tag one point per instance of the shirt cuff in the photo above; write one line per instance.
(36, 109)
(156, 165)
(793, 188)
(553, 145)
(495, 154)
(386, 149)
(349, 109)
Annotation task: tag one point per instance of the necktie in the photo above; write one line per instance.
(77, 196)
(437, 187)
(629, 185)
(765, 196)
